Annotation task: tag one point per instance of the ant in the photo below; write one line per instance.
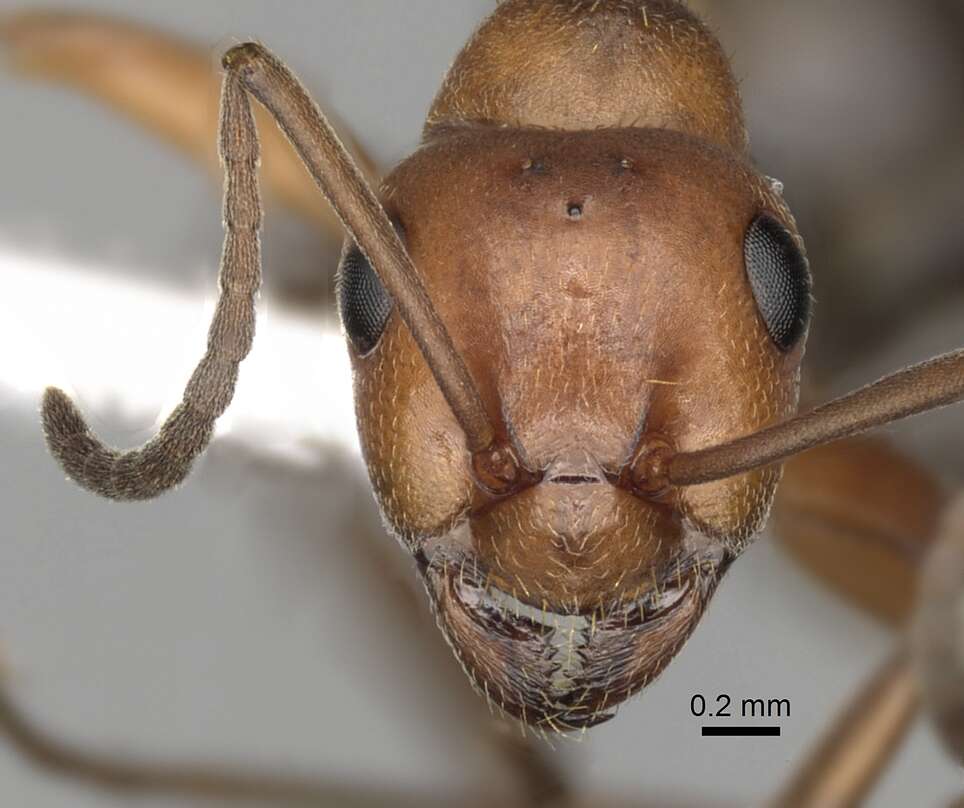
(576, 317)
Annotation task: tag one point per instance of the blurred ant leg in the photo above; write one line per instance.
(938, 633)
(120, 776)
(168, 86)
(845, 765)
(861, 516)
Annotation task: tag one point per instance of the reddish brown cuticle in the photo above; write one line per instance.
(648, 473)
(497, 469)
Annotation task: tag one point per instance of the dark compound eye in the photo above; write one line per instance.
(780, 279)
(363, 303)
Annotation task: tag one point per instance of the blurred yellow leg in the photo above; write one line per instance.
(118, 775)
(938, 633)
(845, 765)
(168, 86)
(878, 529)
(861, 516)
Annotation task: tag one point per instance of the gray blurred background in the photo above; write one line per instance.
(258, 614)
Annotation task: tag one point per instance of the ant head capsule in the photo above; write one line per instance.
(642, 320)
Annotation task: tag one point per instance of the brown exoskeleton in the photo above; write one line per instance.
(581, 297)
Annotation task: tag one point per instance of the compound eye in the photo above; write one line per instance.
(780, 279)
(363, 303)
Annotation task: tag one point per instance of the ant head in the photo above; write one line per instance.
(612, 293)
(573, 384)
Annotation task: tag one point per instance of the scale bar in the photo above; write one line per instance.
(749, 732)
